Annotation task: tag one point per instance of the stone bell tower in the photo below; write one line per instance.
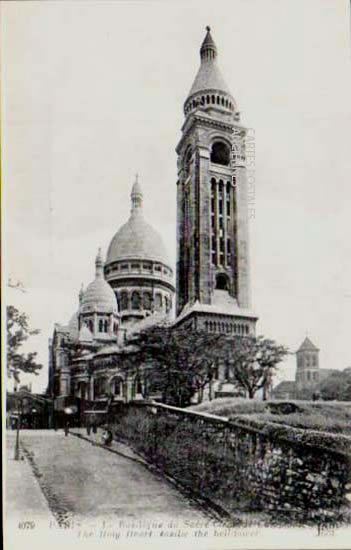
(213, 272)
(307, 366)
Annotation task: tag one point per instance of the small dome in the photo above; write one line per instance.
(136, 239)
(99, 296)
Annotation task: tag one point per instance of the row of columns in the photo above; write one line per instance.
(221, 222)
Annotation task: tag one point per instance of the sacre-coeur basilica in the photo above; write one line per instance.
(93, 357)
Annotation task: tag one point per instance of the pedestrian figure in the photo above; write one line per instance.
(107, 437)
(66, 427)
(88, 428)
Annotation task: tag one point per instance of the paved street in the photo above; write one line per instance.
(85, 481)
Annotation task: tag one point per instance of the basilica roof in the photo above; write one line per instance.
(99, 296)
(222, 304)
(209, 76)
(137, 239)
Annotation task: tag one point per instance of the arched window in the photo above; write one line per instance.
(213, 98)
(106, 326)
(96, 387)
(82, 390)
(124, 300)
(101, 325)
(222, 282)
(117, 385)
(158, 301)
(115, 328)
(220, 153)
(100, 386)
(136, 301)
(137, 386)
(222, 101)
(218, 100)
(208, 99)
(147, 300)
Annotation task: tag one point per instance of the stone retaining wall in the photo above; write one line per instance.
(245, 464)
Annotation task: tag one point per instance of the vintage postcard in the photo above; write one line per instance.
(176, 273)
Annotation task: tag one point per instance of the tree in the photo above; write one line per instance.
(253, 361)
(185, 360)
(337, 386)
(18, 332)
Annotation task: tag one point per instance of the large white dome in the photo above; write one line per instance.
(137, 239)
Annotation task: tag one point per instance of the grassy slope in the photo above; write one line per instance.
(330, 416)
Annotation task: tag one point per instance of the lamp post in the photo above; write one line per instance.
(19, 410)
(34, 418)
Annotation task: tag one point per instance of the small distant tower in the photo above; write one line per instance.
(307, 366)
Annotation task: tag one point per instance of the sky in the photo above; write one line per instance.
(92, 92)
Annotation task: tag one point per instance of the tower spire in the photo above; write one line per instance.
(136, 195)
(209, 89)
(81, 294)
(208, 50)
(99, 265)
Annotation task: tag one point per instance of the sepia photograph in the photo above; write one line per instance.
(176, 268)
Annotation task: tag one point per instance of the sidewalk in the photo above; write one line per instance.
(22, 489)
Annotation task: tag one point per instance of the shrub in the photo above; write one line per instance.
(333, 417)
